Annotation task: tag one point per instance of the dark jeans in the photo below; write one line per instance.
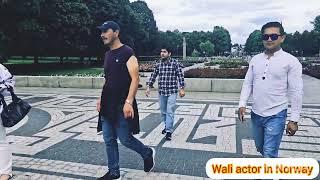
(110, 135)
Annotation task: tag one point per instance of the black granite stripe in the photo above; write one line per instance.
(220, 111)
(52, 173)
(299, 150)
(37, 99)
(62, 122)
(227, 125)
(149, 123)
(305, 136)
(316, 121)
(75, 125)
(302, 143)
(83, 97)
(38, 141)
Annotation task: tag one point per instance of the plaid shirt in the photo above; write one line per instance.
(170, 72)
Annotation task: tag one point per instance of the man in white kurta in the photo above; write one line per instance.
(274, 77)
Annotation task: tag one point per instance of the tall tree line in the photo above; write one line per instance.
(306, 43)
(69, 28)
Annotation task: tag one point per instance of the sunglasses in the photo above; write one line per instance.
(273, 37)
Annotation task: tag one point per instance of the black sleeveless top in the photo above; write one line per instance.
(116, 88)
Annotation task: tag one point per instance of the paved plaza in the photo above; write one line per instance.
(58, 139)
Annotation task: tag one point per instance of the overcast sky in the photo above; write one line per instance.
(240, 17)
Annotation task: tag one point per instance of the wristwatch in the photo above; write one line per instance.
(127, 101)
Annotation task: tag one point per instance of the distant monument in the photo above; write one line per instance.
(184, 49)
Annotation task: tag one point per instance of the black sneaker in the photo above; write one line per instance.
(163, 131)
(149, 162)
(168, 136)
(109, 176)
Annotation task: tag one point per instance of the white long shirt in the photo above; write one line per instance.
(6, 79)
(272, 82)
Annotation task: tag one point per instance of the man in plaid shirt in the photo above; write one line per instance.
(169, 72)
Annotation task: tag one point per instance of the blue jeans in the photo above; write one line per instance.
(167, 104)
(267, 133)
(110, 134)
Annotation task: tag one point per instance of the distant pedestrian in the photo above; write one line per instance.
(170, 75)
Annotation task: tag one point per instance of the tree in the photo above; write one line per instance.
(195, 38)
(34, 23)
(288, 44)
(24, 30)
(316, 23)
(221, 40)
(100, 11)
(195, 53)
(67, 24)
(254, 43)
(3, 47)
(207, 48)
(237, 46)
(172, 40)
(193, 41)
(132, 31)
(149, 44)
(309, 43)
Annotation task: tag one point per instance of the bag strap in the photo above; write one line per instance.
(2, 101)
(13, 95)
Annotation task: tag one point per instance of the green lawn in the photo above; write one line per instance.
(50, 66)
(19, 61)
(30, 60)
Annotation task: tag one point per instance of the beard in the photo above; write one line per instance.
(110, 43)
(164, 58)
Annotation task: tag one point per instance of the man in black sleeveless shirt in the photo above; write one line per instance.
(118, 110)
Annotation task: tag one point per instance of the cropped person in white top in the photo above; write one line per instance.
(274, 77)
(6, 80)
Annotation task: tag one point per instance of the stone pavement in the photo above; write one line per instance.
(58, 139)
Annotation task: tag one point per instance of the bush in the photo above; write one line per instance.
(229, 66)
(306, 63)
(186, 63)
(55, 69)
(149, 67)
(216, 73)
(313, 71)
(195, 53)
(212, 63)
(146, 67)
(228, 63)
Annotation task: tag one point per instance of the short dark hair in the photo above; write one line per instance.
(166, 48)
(273, 24)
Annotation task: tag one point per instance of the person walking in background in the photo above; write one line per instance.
(169, 72)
